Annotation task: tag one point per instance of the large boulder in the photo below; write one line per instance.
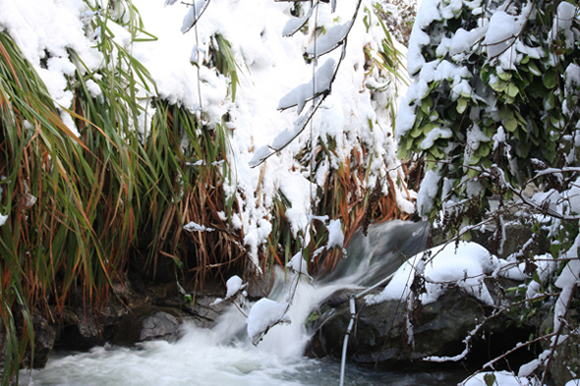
(148, 323)
(565, 362)
(383, 335)
(83, 328)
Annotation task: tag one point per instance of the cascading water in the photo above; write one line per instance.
(225, 356)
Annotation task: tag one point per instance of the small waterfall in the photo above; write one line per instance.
(224, 355)
(375, 256)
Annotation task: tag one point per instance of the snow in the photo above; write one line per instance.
(329, 41)
(528, 368)
(193, 15)
(463, 40)
(427, 13)
(234, 285)
(434, 135)
(427, 192)
(3, 218)
(501, 33)
(259, 155)
(265, 314)
(502, 378)
(335, 235)
(464, 265)
(563, 23)
(568, 278)
(294, 24)
(572, 74)
(298, 264)
(306, 91)
(46, 31)
(546, 266)
(194, 227)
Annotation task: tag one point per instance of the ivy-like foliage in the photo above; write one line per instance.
(496, 87)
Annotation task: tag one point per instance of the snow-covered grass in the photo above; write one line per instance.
(273, 74)
(130, 133)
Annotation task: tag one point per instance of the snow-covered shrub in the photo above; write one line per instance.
(493, 110)
(495, 92)
(330, 145)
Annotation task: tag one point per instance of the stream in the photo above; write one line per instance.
(224, 355)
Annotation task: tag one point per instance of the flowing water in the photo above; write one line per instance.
(224, 355)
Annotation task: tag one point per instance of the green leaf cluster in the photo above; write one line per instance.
(504, 110)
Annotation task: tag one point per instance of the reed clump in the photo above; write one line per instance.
(81, 206)
(86, 204)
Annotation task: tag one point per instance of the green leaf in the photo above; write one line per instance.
(433, 116)
(550, 79)
(489, 379)
(511, 125)
(534, 69)
(474, 159)
(461, 105)
(536, 277)
(426, 105)
(416, 131)
(483, 150)
(512, 90)
(437, 153)
(498, 86)
(506, 76)
(472, 173)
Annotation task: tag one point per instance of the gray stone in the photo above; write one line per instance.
(439, 329)
(159, 325)
(86, 328)
(565, 363)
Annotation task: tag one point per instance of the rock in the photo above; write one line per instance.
(86, 328)
(439, 329)
(159, 325)
(260, 285)
(147, 323)
(44, 339)
(565, 364)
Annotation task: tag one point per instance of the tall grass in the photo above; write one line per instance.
(79, 207)
(349, 191)
(84, 210)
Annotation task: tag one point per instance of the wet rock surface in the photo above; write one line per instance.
(44, 339)
(82, 328)
(129, 318)
(383, 335)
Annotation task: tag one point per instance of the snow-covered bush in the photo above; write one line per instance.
(493, 110)
(495, 93)
(121, 135)
(333, 74)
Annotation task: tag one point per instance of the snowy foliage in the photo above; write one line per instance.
(265, 314)
(234, 285)
(493, 110)
(464, 265)
(501, 378)
(492, 88)
(338, 105)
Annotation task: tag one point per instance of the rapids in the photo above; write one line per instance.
(224, 355)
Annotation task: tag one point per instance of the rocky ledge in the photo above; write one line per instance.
(389, 335)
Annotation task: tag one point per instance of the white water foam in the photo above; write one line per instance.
(224, 355)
